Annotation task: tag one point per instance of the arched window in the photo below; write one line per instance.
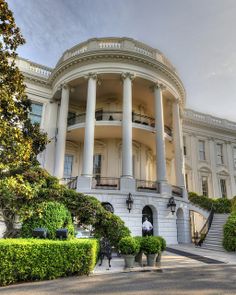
(108, 207)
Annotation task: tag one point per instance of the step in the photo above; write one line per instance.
(212, 246)
(210, 242)
(213, 249)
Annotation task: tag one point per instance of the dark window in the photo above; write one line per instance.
(223, 188)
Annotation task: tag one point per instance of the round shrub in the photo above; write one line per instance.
(229, 241)
(129, 246)
(151, 245)
(51, 216)
(163, 243)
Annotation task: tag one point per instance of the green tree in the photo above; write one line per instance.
(20, 141)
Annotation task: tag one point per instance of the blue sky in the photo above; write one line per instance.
(198, 37)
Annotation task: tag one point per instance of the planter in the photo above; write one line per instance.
(129, 261)
(158, 259)
(151, 259)
(139, 258)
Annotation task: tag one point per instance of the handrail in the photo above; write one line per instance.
(177, 191)
(117, 116)
(147, 185)
(206, 227)
(106, 183)
(70, 182)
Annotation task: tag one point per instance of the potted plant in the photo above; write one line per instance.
(151, 247)
(163, 247)
(128, 247)
(139, 255)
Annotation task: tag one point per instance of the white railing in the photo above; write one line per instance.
(27, 66)
(126, 44)
(208, 119)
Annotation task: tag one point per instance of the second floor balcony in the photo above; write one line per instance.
(116, 116)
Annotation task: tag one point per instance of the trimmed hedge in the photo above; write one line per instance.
(151, 245)
(32, 259)
(229, 241)
(221, 205)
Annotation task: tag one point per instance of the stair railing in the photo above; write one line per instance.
(205, 229)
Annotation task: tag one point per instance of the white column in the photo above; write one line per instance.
(178, 145)
(160, 136)
(87, 170)
(231, 168)
(61, 135)
(127, 164)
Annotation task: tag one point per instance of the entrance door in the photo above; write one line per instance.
(147, 213)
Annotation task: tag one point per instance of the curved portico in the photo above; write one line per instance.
(116, 106)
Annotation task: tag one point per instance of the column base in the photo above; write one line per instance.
(164, 188)
(84, 183)
(127, 184)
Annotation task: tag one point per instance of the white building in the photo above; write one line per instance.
(114, 109)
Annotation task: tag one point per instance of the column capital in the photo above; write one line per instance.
(129, 75)
(91, 75)
(64, 85)
(159, 85)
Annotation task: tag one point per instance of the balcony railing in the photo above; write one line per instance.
(177, 191)
(70, 182)
(106, 183)
(146, 186)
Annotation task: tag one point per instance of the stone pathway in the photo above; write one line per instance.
(171, 260)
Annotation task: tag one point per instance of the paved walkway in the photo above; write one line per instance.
(170, 260)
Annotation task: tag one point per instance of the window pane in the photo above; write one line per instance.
(36, 113)
(205, 186)
(201, 146)
(97, 165)
(223, 188)
(68, 166)
(219, 153)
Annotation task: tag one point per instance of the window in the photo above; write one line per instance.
(223, 188)
(202, 153)
(186, 181)
(219, 153)
(234, 157)
(204, 186)
(36, 113)
(97, 165)
(68, 164)
(99, 115)
(185, 147)
(71, 118)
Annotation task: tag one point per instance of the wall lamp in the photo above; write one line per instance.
(172, 205)
(129, 202)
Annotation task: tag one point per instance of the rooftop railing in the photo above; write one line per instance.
(126, 44)
(70, 182)
(209, 120)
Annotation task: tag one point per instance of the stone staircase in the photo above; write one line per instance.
(214, 237)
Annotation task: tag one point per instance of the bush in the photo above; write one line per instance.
(32, 259)
(163, 243)
(233, 202)
(229, 241)
(151, 245)
(51, 216)
(220, 205)
(129, 246)
(89, 211)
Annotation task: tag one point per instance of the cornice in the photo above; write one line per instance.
(118, 55)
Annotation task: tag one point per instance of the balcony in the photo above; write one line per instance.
(147, 186)
(116, 116)
(106, 183)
